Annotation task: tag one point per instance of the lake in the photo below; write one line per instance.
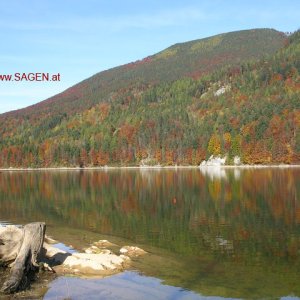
(227, 233)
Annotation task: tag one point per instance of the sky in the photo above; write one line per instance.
(80, 38)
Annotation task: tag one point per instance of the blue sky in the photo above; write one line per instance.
(80, 38)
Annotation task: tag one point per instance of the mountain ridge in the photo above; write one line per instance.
(168, 67)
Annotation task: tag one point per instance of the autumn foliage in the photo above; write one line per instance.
(250, 110)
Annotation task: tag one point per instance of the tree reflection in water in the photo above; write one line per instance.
(247, 218)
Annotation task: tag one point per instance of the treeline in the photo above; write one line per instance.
(251, 111)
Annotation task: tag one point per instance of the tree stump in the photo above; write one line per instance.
(22, 247)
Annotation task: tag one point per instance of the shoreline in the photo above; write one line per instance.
(106, 168)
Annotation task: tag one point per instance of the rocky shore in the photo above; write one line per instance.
(26, 250)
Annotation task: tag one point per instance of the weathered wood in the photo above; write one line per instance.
(11, 238)
(24, 245)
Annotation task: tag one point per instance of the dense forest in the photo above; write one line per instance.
(234, 94)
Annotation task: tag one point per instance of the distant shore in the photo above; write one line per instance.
(158, 167)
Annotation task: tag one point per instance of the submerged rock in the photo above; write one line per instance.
(132, 251)
(104, 244)
(96, 250)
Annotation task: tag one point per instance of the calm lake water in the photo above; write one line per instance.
(231, 233)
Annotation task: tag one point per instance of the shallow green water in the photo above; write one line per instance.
(230, 233)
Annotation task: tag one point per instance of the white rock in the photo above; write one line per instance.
(236, 160)
(96, 250)
(124, 257)
(132, 251)
(103, 244)
(214, 161)
(225, 244)
(96, 262)
(86, 263)
(222, 90)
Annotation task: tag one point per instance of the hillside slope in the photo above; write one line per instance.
(191, 59)
(250, 109)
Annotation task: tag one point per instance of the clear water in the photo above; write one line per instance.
(127, 286)
(228, 233)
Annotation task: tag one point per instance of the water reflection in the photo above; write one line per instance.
(214, 172)
(126, 286)
(229, 222)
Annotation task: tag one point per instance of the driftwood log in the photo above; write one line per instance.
(20, 248)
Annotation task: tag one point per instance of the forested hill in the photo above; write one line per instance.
(191, 59)
(174, 111)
